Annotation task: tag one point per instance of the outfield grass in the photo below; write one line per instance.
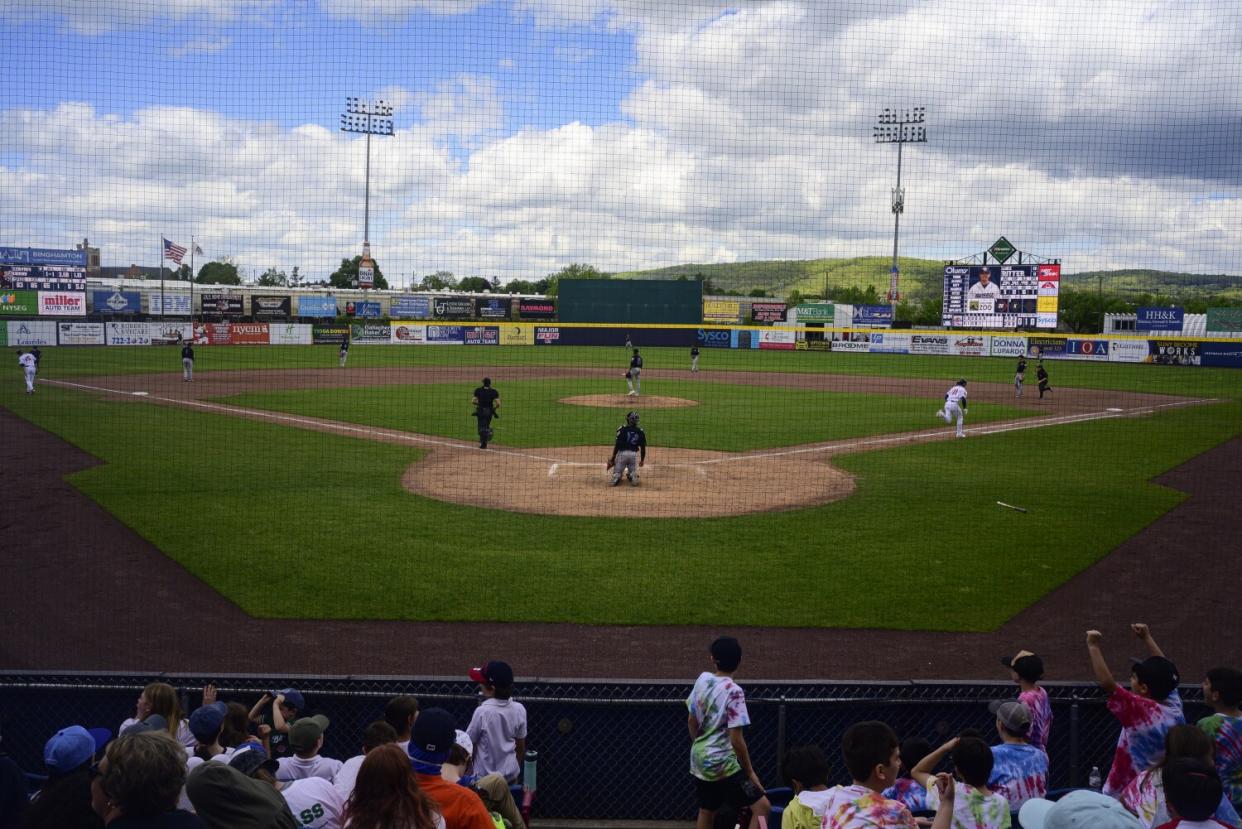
(270, 515)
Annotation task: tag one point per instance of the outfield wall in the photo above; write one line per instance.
(1183, 351)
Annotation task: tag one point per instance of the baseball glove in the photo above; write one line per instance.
(610, 463)
(629, 376)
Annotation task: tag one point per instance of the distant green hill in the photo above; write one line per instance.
(1163, 283)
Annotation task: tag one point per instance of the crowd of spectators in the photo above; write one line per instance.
(226, 765)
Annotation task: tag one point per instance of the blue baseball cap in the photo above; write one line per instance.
(293, 698)
(69, 749)
(206, 721)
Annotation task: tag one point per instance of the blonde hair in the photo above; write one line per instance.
(163, 700)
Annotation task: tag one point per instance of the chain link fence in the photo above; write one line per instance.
(607, 749)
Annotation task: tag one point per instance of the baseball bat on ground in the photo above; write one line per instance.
(1010, 506)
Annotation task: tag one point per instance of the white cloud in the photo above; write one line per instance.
(201, 46)
(94, 17)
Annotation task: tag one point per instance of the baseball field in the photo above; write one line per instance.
(811, 499)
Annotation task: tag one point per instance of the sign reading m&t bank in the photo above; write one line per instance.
(1156, 318)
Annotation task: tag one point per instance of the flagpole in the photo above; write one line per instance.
(163, 307)
(192, 246)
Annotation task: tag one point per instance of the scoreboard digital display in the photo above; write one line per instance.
(43, 277)
(1001, 296)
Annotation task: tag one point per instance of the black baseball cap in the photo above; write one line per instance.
(493, 673)
(1158, 674)
(1026, 664)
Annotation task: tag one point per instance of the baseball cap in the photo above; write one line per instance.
(1158, 674)
(205, 722)
(493, 673)
(463, 739)
(68, 749)
(305, 732)
(1080, 809)
(251, 760)
(432, 736)
(1027, 665)
(293, 698)
(1014, 715)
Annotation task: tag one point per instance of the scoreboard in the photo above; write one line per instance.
(43, 277)
(1001, 296)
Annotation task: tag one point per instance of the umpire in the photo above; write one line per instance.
(486, 402)
(629, 451)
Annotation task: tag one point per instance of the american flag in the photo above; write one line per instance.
(173, 251)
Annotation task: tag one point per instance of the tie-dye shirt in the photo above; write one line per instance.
(1144, 796)
(972, 809)
(1041, 716)
(718, 703)
(1227, 734)
(1019, 773)
(1144, 722)
(857, 807)
(908, 791)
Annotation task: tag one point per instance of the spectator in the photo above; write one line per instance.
(1019, 769)
(872, 758)
(236, 731)
(907, 789)
(314, 802)
(1222, 689)
(498, 726)
(719, 758)
(1193, 789)
(431, 741)
(975, 805)
(278, 710)
(1145, 796)
(388, 795)
(400, 713)
(64, 802)
(377, 734)
(1027, 669)
(225, 798)
(1146, 712)
(1082, 808)
(138, 782)
(160, 699)
(306, 739)
(805, 769)
(493, 789)
(207, 724)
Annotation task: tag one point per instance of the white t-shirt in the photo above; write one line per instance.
(495, 727)
(979, 289)
(27, 361)
(956, 395)
(347, 776)
(315, 803)
(298, 768)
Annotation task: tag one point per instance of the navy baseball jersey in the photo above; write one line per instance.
(630, 439)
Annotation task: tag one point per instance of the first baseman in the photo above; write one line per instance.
(27, 362)
(629, 451)
(955, 406)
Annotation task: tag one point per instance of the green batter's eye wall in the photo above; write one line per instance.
(631, 301)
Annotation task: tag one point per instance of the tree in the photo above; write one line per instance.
(1083, 311)
(574, 271)
(295, 278)
(794, 298)
(496, 284)
(475, 284)
(183, 273)
(222, 272)
(347, 275)
(272, 278)
(757, 292)
(521, 286)
(438, 281)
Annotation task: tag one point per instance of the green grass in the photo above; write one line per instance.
(729, 418)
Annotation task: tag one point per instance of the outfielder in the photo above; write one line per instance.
(694, 359)
(1018, 377)
(344, 352)
(629, 451)
(187, 363)
(27, 362)
(955, 406)
(486, 402)
(636, 370)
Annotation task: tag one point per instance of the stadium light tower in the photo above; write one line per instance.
(369, 118)
(899, 127)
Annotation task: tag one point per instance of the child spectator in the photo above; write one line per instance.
(306, 739)
(873, 758)
(493, 789)
(1193, 789)
(278, 711)
(1027, 669)
(431, 741)
(1222, 689)
(805, 769)
(64, 802)
(907, 789)
(160, 699)
(1019, 769)
(1146, 712)
(377, 734)
(1145, 796)
(236, 731)
(719, 759)
(975, 805)
(400, 713)
(498, 726)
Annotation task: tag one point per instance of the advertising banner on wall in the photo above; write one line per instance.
(370, 333)
(80, 333)
(369, 309)
(767, 311)
(712, 338)
(317, 306)
(172, 305)
(410, 307)
(22, 332)
(815, 312)
(880, 315)
(537, 309)
(127, 333)
(1225, 355)
(1174, 352)
(1156, 318)
(859, 345)
(482, 335)
(270, 307)
(406, 333)
(288, 333)
(445, 335)
(778, 339)
(213, 333)
(62, 303)
(1127, 351)
(929, 344)
(169, 333)
(886, 342)
(445, 307)
(1045, 347)
(968, 345)
(116, 302)
(547, 335)
(328, 333)
(222, 305)
(492, 308)
(1007, 346)
(1087, 349)
(517, 335)
(249, 333)
(43, 256)
(19, 303)
(1224, 319)
(721, 310)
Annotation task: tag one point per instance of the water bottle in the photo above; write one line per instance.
(529, 769)
(1094, 780)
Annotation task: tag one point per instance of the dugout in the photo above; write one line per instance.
(631, 301)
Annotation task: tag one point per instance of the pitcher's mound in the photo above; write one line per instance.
(675, 483)
(625, 401)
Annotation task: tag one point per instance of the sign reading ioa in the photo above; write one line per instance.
(1002, 249)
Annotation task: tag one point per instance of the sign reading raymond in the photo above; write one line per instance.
(767, 311)
(270, 307)
(222, 305)
(1160, 319)
(443, 307)
(537, 309)
(492, 308)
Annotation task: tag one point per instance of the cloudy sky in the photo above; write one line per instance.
(626, 134)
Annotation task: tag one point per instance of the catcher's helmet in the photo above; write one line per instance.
(632, 418)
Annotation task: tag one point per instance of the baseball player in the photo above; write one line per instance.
(1018, 377)
(629, 383)
(694, 359)
(1042, 376)
(187, 363)
(636, 370)
(629, 451)
(955, 406)
(344, 352)
(27, 362)
(628, 342)
(486, 402)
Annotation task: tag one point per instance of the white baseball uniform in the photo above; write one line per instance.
(953, 404)
(315, 803)
(980, 290)
(27, 362)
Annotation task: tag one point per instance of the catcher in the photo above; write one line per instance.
(629, 452)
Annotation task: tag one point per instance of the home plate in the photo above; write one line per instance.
(1115, 410)
(140, 393)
